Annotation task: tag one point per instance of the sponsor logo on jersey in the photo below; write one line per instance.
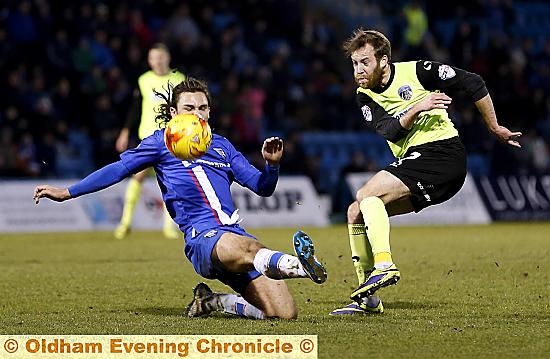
(213, 164)
(367, 114)
(446, 72)
(205, 162)
(402, 113)
(405, 92)
(220, 152)
(427, 65)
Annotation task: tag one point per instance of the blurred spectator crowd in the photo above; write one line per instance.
(274, 67)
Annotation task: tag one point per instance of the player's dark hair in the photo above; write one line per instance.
(376, 39)
(172, 93)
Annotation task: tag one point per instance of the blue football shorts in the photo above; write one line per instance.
(199, 251)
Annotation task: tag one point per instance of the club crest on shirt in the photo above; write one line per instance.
(220, 152)
(405, 92)
(367, 114)
(446, 72)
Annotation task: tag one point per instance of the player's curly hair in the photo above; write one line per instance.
(376, 39)
(171, 95)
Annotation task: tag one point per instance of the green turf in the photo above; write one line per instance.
(465, 292)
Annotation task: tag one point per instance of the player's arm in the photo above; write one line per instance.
(263, 182)
(379, 120)
(437, 76)
(272, 151)
(131, 161)
(487, 110)
(132, 119)
(98, 180)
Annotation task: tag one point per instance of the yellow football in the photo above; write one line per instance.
(187, 136)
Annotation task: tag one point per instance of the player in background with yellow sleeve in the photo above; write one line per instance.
(146, 102)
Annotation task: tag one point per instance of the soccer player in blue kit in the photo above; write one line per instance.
(197, 196)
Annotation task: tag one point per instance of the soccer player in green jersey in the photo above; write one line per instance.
(145, 101)
(406, 103)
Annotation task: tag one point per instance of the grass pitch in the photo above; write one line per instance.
(465, 292)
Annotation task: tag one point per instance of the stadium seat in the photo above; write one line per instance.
(478, 165)
(336, 149)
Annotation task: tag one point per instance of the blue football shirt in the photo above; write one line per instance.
(197, 193)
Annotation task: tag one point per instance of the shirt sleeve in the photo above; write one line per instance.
(263, 182)
(437, 76)
(145, 155)
(100, 179)
(379, 120)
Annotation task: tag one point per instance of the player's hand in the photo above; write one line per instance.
(121, 143)
(272, 150)
(51, 192)
(435, 100)
(504, 135)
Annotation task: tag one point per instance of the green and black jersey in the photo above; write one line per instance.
(410, 83)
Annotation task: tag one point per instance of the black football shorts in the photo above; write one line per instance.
(434, 172)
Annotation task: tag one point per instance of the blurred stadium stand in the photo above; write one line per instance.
(335, 150)
(275, 67)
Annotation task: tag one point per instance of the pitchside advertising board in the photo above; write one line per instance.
(295, 203)
(516, 198)
(466, 207)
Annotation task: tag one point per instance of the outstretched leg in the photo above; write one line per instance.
(265, 296)
(262, 298)
(381, 190)
(238, 254)
(205, 301)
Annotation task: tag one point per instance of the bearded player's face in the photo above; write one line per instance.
(366, 69)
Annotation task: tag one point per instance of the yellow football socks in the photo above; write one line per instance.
(361, 252)
(133, 192)
(377, 225)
